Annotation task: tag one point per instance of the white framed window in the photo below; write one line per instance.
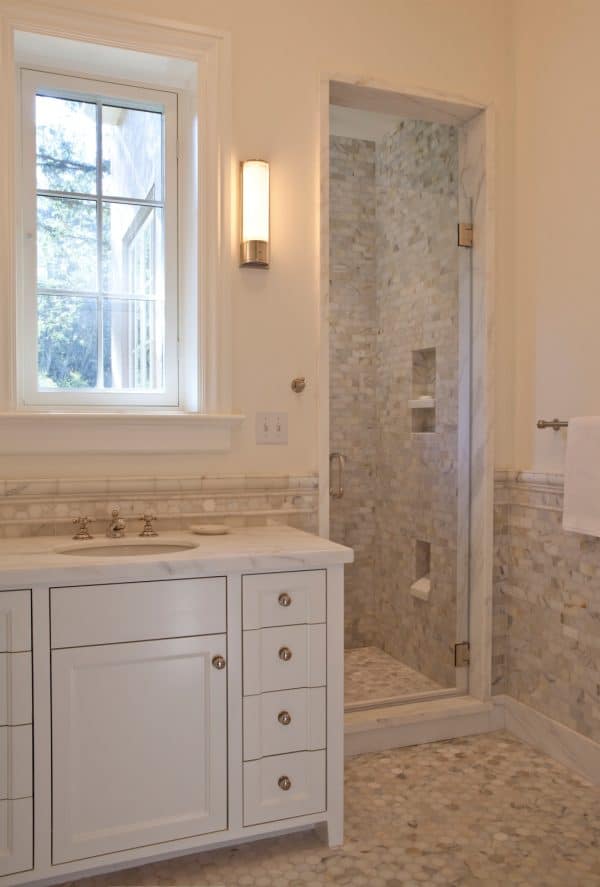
(160, 61)
(99, 300)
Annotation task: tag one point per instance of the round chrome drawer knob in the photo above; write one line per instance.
(285, 653)
(219, 663)
(284, 783)
(284, 599)
(284, 717)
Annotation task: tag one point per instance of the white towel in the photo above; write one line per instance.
(581, 509)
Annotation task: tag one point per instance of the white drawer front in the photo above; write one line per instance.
(265, 669)
(15, 688)
(280, 723)
(15, 620)
(16, 836)
(264, 798)
(137, 611)
(284, 598)
(16, 763)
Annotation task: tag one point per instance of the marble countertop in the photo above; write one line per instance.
(26, 561)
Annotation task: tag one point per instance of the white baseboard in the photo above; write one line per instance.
(415, 723)
(559, 742)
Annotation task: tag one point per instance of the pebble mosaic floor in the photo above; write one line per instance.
(372, 674)
(485, 810)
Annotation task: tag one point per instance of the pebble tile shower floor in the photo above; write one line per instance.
(370, 674)
(485, 810)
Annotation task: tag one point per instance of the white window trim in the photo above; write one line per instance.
(205, 419)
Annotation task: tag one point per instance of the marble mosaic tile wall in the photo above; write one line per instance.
(546, 604)
(47, 507)
(417, 295)
(353, 408)
(394, 283)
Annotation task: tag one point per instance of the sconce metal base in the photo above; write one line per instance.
(254, 254)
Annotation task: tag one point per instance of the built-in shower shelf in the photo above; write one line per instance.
(421, 588)
(422, 403)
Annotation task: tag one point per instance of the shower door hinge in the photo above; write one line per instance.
(465, 234)
(462, 654)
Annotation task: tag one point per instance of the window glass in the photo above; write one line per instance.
(100, 254)
(131, 164)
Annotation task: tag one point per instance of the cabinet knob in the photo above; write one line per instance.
(285, 653)
(284, 599)
(284, 783)
(284, 717)
(218, 663)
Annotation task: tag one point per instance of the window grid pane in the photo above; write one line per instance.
(120, 254)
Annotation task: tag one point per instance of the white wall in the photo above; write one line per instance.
(557, 212)
(280, 50)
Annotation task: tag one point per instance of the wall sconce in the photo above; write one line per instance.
(254, 190)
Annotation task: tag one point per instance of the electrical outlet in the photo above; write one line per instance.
(271, 428)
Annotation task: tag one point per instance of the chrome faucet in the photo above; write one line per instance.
(116, 527)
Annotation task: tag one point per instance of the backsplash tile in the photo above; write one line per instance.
(47, 507)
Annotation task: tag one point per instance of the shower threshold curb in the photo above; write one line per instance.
(378, 729)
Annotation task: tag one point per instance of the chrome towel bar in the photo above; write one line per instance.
(556, 424)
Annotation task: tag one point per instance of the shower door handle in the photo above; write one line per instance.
(336, 491)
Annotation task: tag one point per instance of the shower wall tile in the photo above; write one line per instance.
(353, 416)
(394, 281)
(417, 287)
(546, 604)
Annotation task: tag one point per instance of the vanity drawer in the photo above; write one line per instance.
(137, 611)
(15, 620)
(265, 795)
(267, 669)
(15, 688)
(280, 723)
(284, 598)
(16, 762)
(16, 836)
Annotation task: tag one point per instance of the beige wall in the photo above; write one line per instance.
(280, 48)
(557, 210)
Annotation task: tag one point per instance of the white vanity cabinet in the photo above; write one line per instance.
(285, 677)
(139, 726)
(179, 705)
(16, 715)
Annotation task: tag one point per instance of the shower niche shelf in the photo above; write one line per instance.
(422, 402)
(421, 587)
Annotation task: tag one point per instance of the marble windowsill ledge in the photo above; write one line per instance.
(46, 431)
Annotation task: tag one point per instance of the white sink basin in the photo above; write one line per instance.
(129, 549)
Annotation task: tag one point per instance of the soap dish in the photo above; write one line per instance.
(209, 529)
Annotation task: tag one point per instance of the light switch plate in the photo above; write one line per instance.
(272, 428)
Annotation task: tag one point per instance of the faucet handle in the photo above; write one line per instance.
(148, 529)
(82, 522)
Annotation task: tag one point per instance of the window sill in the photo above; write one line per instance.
(44, 431)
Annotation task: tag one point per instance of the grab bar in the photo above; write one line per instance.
(336, 492)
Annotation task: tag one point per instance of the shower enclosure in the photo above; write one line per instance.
(399, 401)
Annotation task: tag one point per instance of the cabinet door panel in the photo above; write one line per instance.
(288, 721)
(137, 611)
(15, 621)
(16, 836)
(16, 762)
(284, 598)
(15, 688)
(139, 745)
(265, 669)
(264, 798)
